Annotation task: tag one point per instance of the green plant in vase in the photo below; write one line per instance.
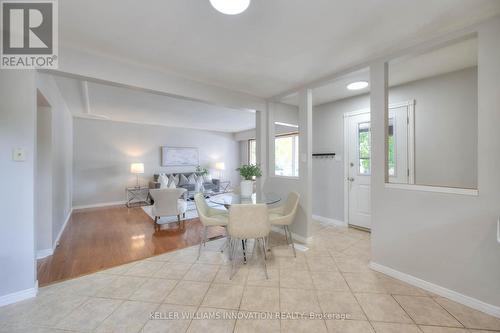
(249, 172)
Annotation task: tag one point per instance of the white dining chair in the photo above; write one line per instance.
(168, 202)
(284, 216)
(209, 217)
(248, 222)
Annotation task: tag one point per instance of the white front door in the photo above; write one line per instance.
(358, 169)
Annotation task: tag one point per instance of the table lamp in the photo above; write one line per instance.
(220, 166)
(137, 169)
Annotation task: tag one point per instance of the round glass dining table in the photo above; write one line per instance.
(228, 199)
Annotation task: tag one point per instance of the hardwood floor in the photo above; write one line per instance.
(101, 238)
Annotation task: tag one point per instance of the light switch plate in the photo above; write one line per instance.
(19, 155)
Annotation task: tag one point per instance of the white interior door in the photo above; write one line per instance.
(359, 169)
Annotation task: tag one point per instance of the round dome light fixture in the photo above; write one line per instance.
(358, 85)
(230, 7)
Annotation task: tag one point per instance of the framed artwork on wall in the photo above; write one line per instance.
(179, 156)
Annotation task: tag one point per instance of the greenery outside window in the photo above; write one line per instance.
(286, 155)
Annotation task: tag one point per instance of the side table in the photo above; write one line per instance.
(138, 196)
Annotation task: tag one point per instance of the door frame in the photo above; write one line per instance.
(411, 147)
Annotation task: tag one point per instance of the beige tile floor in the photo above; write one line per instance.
(333, 277)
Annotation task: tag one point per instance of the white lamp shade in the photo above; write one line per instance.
(137, 168)
(220, 166)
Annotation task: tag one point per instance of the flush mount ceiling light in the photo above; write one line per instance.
(357, 85)
(230, 7)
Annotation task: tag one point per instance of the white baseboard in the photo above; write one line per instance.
(329, 221)
(40, 254)
(441, 291)
(294, 235)
(102, 204)
(19, 295)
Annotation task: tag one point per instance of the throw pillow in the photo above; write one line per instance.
(163, 180)
(192, 179)
(173, 179)
(172, 185)
(207, 178)
(183, 180)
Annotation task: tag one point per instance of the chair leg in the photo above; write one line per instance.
(243, 245)
(157, 226)
(286, 235)
(230, 245)
(202, 241)
(263, 249)
(233, 264)
(291, 241)
(205, 234)
(264, 241)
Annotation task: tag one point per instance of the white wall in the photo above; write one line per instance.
(445, 127)
(62, 154)
(17, 129)
(445, 239)
(43, 179)
(103, 151)
(445, 135)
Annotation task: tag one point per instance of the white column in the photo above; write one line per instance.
(261, 137)
(305, 157)
(378, 116)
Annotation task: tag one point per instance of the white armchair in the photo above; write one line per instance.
(168, 202)
(284, 216)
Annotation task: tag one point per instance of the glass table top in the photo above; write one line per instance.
(228, 199)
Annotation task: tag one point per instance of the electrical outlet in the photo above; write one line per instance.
(19, 155)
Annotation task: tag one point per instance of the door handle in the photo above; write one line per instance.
(350, 179)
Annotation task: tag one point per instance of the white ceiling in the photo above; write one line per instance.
(125, 104)
(274, 46)
(443, 60)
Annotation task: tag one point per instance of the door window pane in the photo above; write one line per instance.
(364, 144)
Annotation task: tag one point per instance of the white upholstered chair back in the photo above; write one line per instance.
(166, 201)
(201, 206)
(248, 221)
(291, 204)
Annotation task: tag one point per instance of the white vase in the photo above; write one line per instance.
(246, 188)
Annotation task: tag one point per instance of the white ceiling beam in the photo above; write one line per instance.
(99, 68)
